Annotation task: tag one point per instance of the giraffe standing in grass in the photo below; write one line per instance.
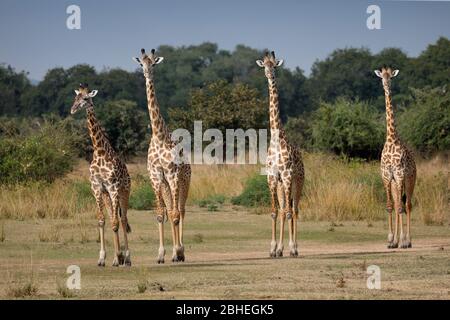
(169, 174)
(398, 171)
(110, 180)
(285, 171)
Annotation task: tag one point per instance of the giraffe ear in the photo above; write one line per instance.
(137, 60)
(93, 93)
(159, 60)
(395, 73)
(378, 73)
(260, 63)
(279, 63)
(77, 92)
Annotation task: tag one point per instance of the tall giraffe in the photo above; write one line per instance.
(398, 170)
(285, 171)
(170, 177)
(110, 181)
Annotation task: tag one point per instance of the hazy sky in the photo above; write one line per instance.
(34, 36)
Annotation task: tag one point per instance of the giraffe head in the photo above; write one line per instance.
(269, 63)
(83, 98)
(148, 62)
(386, 74)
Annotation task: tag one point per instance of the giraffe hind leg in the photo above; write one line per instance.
(123, 210)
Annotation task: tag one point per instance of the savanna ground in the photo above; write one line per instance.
(342, 231)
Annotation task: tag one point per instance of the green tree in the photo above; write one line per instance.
(350, 128)
(426, 123)
(223, 106)
(12, 87)
(432, 67)
(347, 73)
(125, 125)
(298, 131)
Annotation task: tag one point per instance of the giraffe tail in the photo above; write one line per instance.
(404, 199)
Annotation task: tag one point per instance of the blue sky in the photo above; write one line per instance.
(34, 36)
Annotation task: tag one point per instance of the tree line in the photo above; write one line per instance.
(338, 108)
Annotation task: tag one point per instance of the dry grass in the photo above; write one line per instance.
(230, 262)
(335, 190)
(57, 200)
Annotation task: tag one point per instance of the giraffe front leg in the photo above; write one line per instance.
(175, 216)
(398, 229)
(387, 189)
(161, 213)
(287, 188)
(274, 215)
(101, 228)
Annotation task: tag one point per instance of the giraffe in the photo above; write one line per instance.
(285, 171)
(398, 170)
(170, 177)
(110, 181)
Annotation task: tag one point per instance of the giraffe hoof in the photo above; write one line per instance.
(127, 260)
(273, 254)
(406, 244)
(101, 262)
(279, 253)
(121, 258)
(160, 261)
(115, 262)
(391, 245)
(294, 253)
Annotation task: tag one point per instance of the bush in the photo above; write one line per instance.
(298, 131)
(213, 199)
(426, 124)
(255, 193)
(125, 125)
(142, 196)
(348, 128)
(42, 156)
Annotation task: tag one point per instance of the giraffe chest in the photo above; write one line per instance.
(105, 172)
(278, 160)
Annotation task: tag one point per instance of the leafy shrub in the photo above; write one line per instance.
(142, 196)
(42, 156)
(348, 128)
(255, 193)
(426, 124)
(298, 131)
(211, 200)
(125, 125)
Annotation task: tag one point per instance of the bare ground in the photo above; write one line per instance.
(226, 258)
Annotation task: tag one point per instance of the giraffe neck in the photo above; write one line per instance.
(391, 131)
(159, 128)
(274, 110)
(98, 137)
